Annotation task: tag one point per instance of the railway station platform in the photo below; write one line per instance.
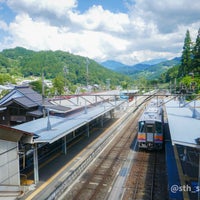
(64, 130)
(183, 150)
(67, 121)
(55, 170)
(172, 173)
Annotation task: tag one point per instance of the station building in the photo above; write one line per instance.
(23, 104)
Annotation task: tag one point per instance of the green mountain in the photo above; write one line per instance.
(149, 70)
(20, 61)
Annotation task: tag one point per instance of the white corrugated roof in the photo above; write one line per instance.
(61, 126)
(184, 128)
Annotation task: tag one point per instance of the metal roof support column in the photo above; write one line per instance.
(127, 104)
(182, 177)
(88, 130)
(184, 153)
(198, 186)
(77, 100)
(112, 114)
(85, 108)
(74, 134)
(35, 161)
(199, 179)
(102, 116)
(157, 100)
(64, 146)
(135, 100)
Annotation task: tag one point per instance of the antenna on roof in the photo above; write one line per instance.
(194, 115)
(48, 121)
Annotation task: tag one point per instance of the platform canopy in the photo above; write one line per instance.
(184, 123)
(14, 135)
(52, 128)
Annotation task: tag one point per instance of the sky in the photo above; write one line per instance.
(127, 31)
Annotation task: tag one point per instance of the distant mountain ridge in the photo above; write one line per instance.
(149, 69)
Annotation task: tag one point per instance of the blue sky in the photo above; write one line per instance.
(112, 5)
(6, 13)
(128, 31)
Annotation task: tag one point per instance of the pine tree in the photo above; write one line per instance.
(196, 56)
(186, 58)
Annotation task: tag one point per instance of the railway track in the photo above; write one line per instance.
(147, 179)
(97, 180)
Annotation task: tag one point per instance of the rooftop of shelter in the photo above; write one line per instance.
(13, 135)
(52, 128)
(74, 102)
(184, 122)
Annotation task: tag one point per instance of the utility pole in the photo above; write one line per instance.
(87, 72)
(43, 106)
(108, 84)
(65, 70)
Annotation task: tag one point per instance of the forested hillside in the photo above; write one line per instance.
(23, 62)
(65, 69)
(186, 76)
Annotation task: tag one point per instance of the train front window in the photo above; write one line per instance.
(158, 127)
(141, 126)
(149, 128)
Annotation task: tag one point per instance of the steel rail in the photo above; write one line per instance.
(120, 150)
(76, 173)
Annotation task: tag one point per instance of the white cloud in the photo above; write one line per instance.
(3, 25)
(40, 35)
(96, 18)
(38, 7)
(151, 29)
(167, 15)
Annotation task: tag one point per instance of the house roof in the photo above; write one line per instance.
(24, 96)
(36, 113)
(28, 98)
(30, 94)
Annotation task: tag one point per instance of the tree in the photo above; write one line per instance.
(6, 78)
(171, 74)
(124, 85)
(59, 84)
(186, 58)
(37, 86)
(196, 55)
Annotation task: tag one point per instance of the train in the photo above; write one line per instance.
(150, 134)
